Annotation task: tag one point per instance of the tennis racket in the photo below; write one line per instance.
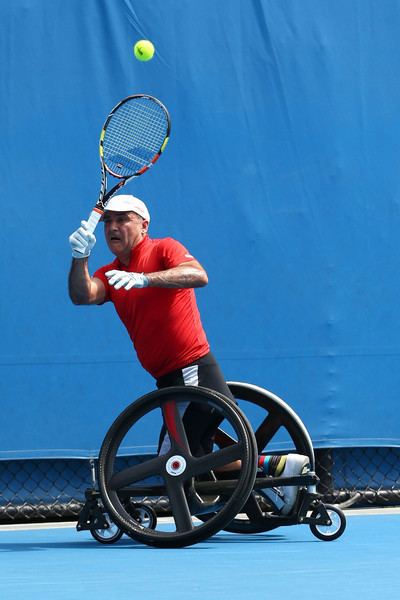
(132, 139)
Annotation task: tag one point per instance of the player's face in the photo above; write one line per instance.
(123, 231)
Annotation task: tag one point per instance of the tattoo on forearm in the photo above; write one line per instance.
(178, 277)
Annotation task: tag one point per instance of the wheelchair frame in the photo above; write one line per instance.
(202, 500)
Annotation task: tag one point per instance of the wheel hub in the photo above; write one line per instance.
(176, 465)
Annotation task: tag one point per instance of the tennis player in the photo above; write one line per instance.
(151, 283)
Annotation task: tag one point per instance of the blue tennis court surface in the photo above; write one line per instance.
(59, 563)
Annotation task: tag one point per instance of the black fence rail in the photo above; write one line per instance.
(54, 489)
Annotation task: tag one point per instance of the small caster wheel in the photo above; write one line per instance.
(110, 535)
(143, 514)
(327, 532)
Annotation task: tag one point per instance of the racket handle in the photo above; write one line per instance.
(94, 218)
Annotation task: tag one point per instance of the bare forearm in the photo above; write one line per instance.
(183, 276)
(79, 281)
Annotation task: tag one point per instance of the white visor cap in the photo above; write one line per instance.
(127, 203)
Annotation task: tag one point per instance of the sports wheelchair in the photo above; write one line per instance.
(201, 496)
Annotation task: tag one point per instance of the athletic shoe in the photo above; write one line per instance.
(291, 465)
(296, 464)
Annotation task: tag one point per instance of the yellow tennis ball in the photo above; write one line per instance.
(143, 50)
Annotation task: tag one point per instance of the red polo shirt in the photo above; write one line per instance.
(163, 323)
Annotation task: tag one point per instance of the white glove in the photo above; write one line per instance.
(126, 280)
(82, 241)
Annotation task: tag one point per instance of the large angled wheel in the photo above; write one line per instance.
(177, 473)
(278, 430)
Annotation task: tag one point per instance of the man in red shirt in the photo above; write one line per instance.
(151, 284)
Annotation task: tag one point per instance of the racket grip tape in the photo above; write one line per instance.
(93, 219)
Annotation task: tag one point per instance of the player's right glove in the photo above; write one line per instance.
(82, 241)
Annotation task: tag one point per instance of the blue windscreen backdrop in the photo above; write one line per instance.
(281, 177)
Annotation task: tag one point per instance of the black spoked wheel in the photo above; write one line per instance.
(278, 430)
(178, 473)
(327, 532)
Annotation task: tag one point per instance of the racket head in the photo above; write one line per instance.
(134, 135)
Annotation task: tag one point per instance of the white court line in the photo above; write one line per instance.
(27, 526)
(390, 510)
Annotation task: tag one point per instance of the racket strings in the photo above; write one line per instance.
(134, 135)
(142, 126)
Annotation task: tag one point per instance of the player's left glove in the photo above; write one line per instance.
(123, 279)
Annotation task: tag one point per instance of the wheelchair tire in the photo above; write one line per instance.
(178, 468)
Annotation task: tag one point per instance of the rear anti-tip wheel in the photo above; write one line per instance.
(327, 532)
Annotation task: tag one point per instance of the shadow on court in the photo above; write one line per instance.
(88, 544)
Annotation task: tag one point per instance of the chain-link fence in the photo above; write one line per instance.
(54, 489)
(42, 490)
(359, 476)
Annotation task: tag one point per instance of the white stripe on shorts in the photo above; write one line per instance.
(191, 375)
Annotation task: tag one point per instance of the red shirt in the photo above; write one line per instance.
(163, 323)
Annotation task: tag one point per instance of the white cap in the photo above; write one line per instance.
(126, 203)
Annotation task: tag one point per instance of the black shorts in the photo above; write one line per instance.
(200, 422)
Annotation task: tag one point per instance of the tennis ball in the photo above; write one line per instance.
(143, 50)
